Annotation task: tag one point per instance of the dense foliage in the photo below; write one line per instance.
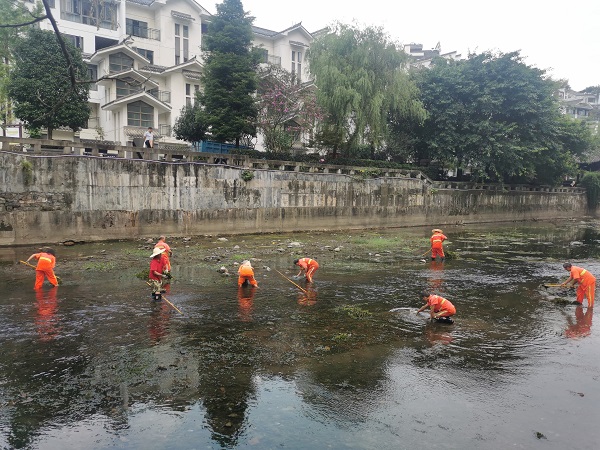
(361, 81)
(189, 126)
(497, 116)
(591, 182)
(229, 77)
(41, 89)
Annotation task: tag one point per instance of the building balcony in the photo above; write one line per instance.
(163, 96)
(143, 32)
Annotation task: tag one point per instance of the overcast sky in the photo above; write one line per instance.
(561, 37)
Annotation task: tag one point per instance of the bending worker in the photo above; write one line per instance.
(440, 308)
(437, 248)
(307, 265)
(46, 262)
(586, 283)
(246, 274)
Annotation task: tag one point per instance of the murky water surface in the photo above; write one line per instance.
(95, 364)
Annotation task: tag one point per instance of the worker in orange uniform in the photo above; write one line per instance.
(586, 283)
(156, 275)
(437, 248)
(166, 255)
(246, 274)
(45, 267)
(440, 309)
(307, 265)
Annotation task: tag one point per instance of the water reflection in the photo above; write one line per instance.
(580, 324)
(308, 297)
(327, 368)
(46, 320)
(245, 297)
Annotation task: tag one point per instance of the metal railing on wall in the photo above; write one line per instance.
(174, 153)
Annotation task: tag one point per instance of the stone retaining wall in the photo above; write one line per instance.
(55, 198)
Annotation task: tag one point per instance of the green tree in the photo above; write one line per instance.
(229, 75)
(286, 109)
(13, 16)
(499, 117)
(41, 89)
(189, 125)
(361, 80)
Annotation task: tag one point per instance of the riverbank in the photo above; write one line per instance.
(59, 198)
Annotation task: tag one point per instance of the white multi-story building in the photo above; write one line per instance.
(147, 58)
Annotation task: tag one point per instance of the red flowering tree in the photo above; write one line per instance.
(287, 111)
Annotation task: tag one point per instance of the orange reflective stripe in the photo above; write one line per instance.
(309, 261)
(45, 259)
(582, 272)
(442, 302)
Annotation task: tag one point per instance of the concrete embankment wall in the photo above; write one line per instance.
(56, 198)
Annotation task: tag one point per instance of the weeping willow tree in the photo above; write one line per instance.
(362, 79)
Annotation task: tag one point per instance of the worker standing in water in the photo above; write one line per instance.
(437, 246)
(45, 267)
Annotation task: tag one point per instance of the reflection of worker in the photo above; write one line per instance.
(437, 246)
(45, 319)
(440, 308)
(167, 254)
(435, 280)
(583, 323)
(586, 283)
(307, 297)
(435, 336)
(158, 326)
(245, 303)
(246, 274)
(46, 262)
(307, 265)
(157, 275)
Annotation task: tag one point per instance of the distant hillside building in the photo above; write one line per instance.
(422, 58)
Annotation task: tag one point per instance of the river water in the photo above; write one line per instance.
(94, 364)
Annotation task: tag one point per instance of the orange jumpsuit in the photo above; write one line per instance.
(166, 253)
(310, 266)
(246, 273)
(436, 245)
(441, 306)
(44, 268)
(586, 285)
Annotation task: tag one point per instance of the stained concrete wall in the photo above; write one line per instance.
(55, 198)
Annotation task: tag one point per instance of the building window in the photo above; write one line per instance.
(127, 87)
(119, 62)
(140, 114)
(99, 14)
(182, 43)
(148, 54)
(264, 55)
(136, 28)
(93, 76)
(297, 64)
(188, 94)
(77, 41)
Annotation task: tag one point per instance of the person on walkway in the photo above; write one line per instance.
(246, 274)
(437, 246)
(586, 283)
(166, 255)
(440, 309)
(45, 267)
(307, 265)
(157, 275)
(149, 138)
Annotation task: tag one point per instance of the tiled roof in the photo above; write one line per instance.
(264, 31)
(153, 68)
(180, 15)
(192, 74)
(142, 2)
